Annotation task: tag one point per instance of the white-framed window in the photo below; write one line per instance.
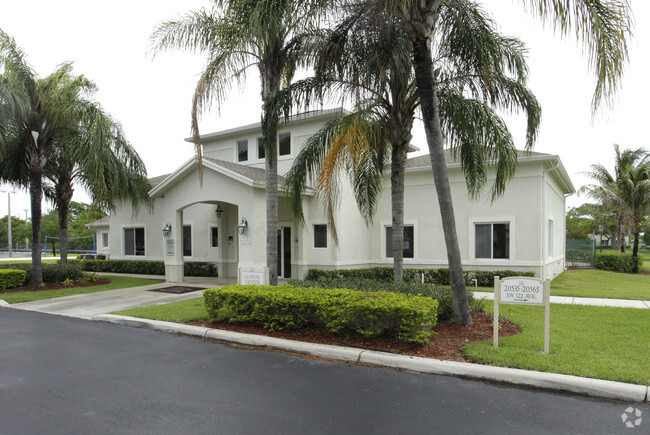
(104, 240)
(408, 245)
(284, 144)
(242, 150)
(261, 154)
(214, 237)
(492, 240)
(187, 240)
(320, 236)
(134, 243)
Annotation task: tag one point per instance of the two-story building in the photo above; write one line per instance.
(223, 220)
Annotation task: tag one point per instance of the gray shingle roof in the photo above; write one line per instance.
(425, 160)
(255, 174)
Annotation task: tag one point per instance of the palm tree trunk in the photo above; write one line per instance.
(36, 197)
(271, 180)
(635, 253)
(397, 198)
(270, 77)
(424, 75)
(621, 235)
(63, 229)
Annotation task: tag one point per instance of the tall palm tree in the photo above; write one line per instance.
(368, 56)
(602, 25)
(236, 35)
(627, 192)
(98, 157)
(36, 113)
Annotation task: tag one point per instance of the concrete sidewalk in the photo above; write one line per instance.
(596, 302)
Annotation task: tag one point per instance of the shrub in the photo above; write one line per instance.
(431, 276)
(617, 261)
(408, 318)
(61, 272)
(51, 272)
(12, 278)
(144, 267)
(439, 293)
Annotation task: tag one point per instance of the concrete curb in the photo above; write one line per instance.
(528, 378)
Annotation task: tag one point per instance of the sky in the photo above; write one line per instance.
(108, 42)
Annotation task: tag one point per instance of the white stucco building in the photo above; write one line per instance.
(523, 230)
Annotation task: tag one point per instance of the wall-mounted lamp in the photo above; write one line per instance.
(243, 226)
(219, 211)
(167, 230)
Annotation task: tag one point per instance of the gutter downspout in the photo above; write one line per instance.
(544, 218)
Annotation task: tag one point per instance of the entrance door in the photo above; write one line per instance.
(284, 252)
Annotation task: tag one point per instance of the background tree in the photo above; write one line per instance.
(96, 156)
(605, 190)
(603, 26)
(237, 35)
(627, 192)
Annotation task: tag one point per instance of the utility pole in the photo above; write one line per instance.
(9, 239)
(26, 227)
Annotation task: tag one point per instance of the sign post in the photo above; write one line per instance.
(522, 291)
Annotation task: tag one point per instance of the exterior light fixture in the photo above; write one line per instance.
(167, 230)
(219, 211)
(243, 226)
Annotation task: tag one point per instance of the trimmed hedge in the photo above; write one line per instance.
(431, 276)
(617, 261)
(144, 267)
(408, 318)
(11, 278)
(51, 272)
(442, 294)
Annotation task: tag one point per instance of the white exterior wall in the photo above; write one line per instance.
(535, 196)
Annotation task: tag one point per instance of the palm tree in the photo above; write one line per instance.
(368, 56)
(98, 157)
(606, 183)
(236, 35)
(603, 26)
(627, 192)
(36, 114)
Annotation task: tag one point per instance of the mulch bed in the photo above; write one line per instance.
(55, 286)
(447, 344)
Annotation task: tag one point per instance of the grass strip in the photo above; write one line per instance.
(117, 282)
(594, 342)
(180, 312)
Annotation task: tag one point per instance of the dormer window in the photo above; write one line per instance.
(242, 150)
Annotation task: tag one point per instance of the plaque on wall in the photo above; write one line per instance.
(169, 247)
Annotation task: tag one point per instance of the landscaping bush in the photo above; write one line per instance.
(617, 261)
(144, 267)
(61, 272)
(12, 278)
(408, 318)
(51, 272)
(439, 293)
(431, 276)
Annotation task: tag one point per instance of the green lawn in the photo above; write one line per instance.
(179, 312)
(595, 342)
(591, 283)
(117, 282)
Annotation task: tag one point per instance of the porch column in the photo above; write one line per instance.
(174, 251)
